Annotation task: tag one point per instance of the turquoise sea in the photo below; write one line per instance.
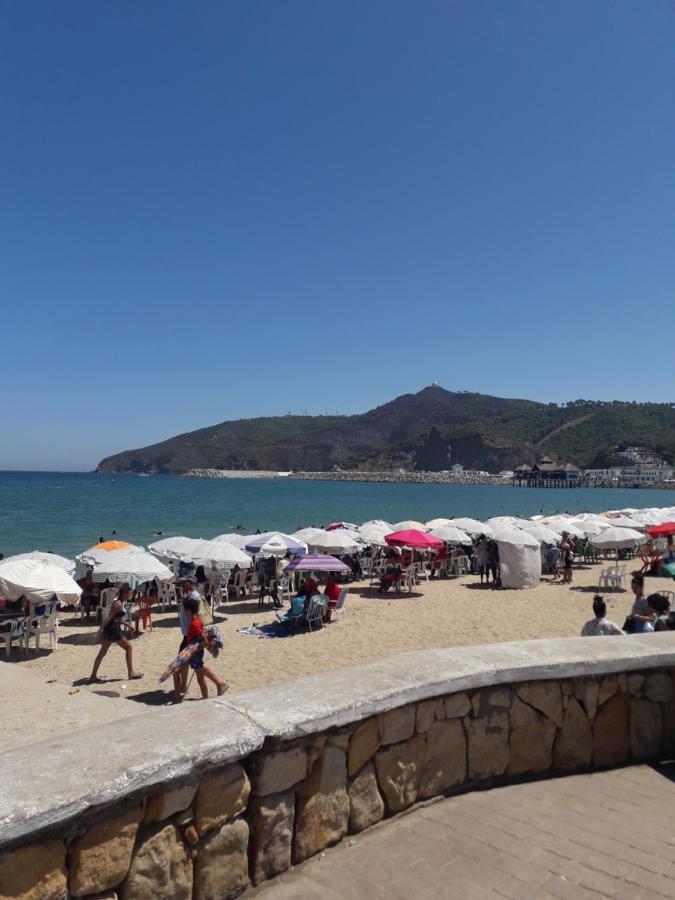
(68, 512)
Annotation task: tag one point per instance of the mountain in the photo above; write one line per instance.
(426, 430)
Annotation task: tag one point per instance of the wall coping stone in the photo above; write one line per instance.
(55, 781)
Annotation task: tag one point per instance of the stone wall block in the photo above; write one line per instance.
(363, 745)
(444, 763)
(490, 700)
(425, 716)
(100, 859)
(488, 745)
(276, 772)
(635, 681)
(574, 743)
(34, 873)
(609, 685)
(221, 796)
(366, 806)
(457, 706)
(322, 805)
(272, 835)
(397, 725)
(161, 867)
(168, 803)
(531, 736)
(587, 692)
(610, 732)
(544, 696)
(221, 863)
(658, 686)
(398, 770)
(646, 729)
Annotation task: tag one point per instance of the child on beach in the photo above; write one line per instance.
(195, 634)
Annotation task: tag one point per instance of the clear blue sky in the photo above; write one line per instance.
(221, 209)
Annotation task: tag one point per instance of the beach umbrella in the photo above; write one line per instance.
(374, 534)
(662, 530)
(509, 534)
(473, 526)
(37, 581)
(414, 538)
(180, 661)
(337, 541)
(68, 565)
(237, 540)
(275, 543)
(109, 545)
(451, 535)
(132, 564)
(218, 555)
(317, 562)
(437, 523)
(624, 522)
(177, 547)
(409, 525)
(543, 533)
(496, 521)
(335, 525)
(304, 534)
(379, 523)
(613, 538)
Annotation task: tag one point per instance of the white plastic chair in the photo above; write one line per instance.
(47, 623)
(240, 584)
(166, 593)
(106, 601)
(340, 605)
(17, 632)
(315, 611)
(285, 587)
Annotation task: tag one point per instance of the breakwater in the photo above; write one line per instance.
(401, 477)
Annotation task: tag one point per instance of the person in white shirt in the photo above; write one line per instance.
(600, 625)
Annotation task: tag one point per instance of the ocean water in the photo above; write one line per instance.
(68, 512)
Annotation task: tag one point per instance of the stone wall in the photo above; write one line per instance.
(213, 797)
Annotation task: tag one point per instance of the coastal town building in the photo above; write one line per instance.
(546, 470)
(645, 473)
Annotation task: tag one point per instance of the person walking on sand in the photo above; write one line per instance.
(195, 635)
(111, 633)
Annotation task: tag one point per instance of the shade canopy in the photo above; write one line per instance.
(379, 523)
(473, 526)
(437, 523)
(317, 562)
(337, 541)
(276, 544)
(542, 533)
(414, 538)
(451, 535)
(509, 534)
(662, 530)
(132, 564)
(374, 534)
(38, 581)
(409, 525)
(234, 538)
(68, 565)
(625, 522)
(178, 547)
(218, 554)
(614, 538)
(575, 529)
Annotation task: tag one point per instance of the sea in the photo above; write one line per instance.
(67, 512)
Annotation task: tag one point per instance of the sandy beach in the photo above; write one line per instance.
(451, 612)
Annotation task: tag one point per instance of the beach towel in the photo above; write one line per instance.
(273, 630)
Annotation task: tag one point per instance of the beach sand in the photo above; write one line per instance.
(442, 613)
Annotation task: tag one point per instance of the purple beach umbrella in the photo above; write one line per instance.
(317, 562)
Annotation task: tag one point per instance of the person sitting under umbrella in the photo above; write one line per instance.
(332, 592)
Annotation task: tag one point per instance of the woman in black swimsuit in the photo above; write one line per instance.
(111, 633)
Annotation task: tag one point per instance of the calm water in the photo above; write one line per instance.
(67, 512)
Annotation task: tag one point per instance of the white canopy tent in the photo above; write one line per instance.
(38, 581)
(519, 557)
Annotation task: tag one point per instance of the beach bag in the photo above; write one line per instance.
(629, 625)
(205, 613)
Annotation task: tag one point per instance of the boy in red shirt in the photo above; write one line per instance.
(195, 634)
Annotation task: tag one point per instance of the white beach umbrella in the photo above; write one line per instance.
(374, 534)
(234, 538)
(497, 521)
(543, 533)
(575, 529)
(451, 535)
(38, 581)
(304, 534)
(68, 565)
(409, 525)
(178, 547)
(332, 542)
(508, 534)
(624, 522)
(219, 555)
(379, 523)
(617, 538)
(132, 564)
(437, 523)
(473, 526)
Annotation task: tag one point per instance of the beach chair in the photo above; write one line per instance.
(45, 623)
(106, 601)
(143, 612)
(285, 587)
(16, 632)
(295, 615)
(315, 611)
(340, 605)
(166, 593)
(240, 584)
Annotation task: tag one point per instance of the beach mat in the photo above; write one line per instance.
(273, 630)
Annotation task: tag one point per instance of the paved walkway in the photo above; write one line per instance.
(609, 834)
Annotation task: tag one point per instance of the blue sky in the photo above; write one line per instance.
(228, 209)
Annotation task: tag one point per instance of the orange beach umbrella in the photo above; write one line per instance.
(109, 545)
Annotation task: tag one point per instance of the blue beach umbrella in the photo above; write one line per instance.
(275, 544)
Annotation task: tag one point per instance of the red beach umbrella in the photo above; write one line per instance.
(659, 530)
(418, 540)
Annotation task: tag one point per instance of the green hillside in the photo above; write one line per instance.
(426, 430)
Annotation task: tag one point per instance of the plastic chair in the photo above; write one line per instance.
(143, 612)
(166, 593)
(106, 601)
(46, 623)
(339, 607)
(17, 632)
(315, 611)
